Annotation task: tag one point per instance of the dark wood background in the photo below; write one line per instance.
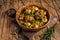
(7, 27)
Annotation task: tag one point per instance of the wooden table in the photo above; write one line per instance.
(7, 27)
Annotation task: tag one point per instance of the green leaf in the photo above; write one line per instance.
(48, 33)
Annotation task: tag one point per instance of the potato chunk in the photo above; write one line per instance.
(44, 19)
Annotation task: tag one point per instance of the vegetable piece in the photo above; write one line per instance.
(29, 18)
(27, 24)
(38, 16)
(36, 26)
(21, 22)
(41, 23)
(28, 11)
(44, 13)
(35, 8)
(37, 23)
(21, 16)
(44, 19)
(32, 26)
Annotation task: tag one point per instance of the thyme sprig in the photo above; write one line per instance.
(47, 35)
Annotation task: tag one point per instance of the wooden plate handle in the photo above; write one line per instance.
(11, 12)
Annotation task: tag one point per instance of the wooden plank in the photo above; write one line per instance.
(14, 5)
(37, 37)
(7, 4)
(21, 3)
(2, 9)
(12, 29)
(53, 38)
(5, 30)
(31, 1)
(26, 1)
(56, 36)
(58, 2)
(51, 5)
(57, 9)
(1, 26)
(50, 10)
(10, 4)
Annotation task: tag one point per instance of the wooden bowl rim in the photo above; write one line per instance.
(30, 29)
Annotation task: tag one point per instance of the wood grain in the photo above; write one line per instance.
(7, 27)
